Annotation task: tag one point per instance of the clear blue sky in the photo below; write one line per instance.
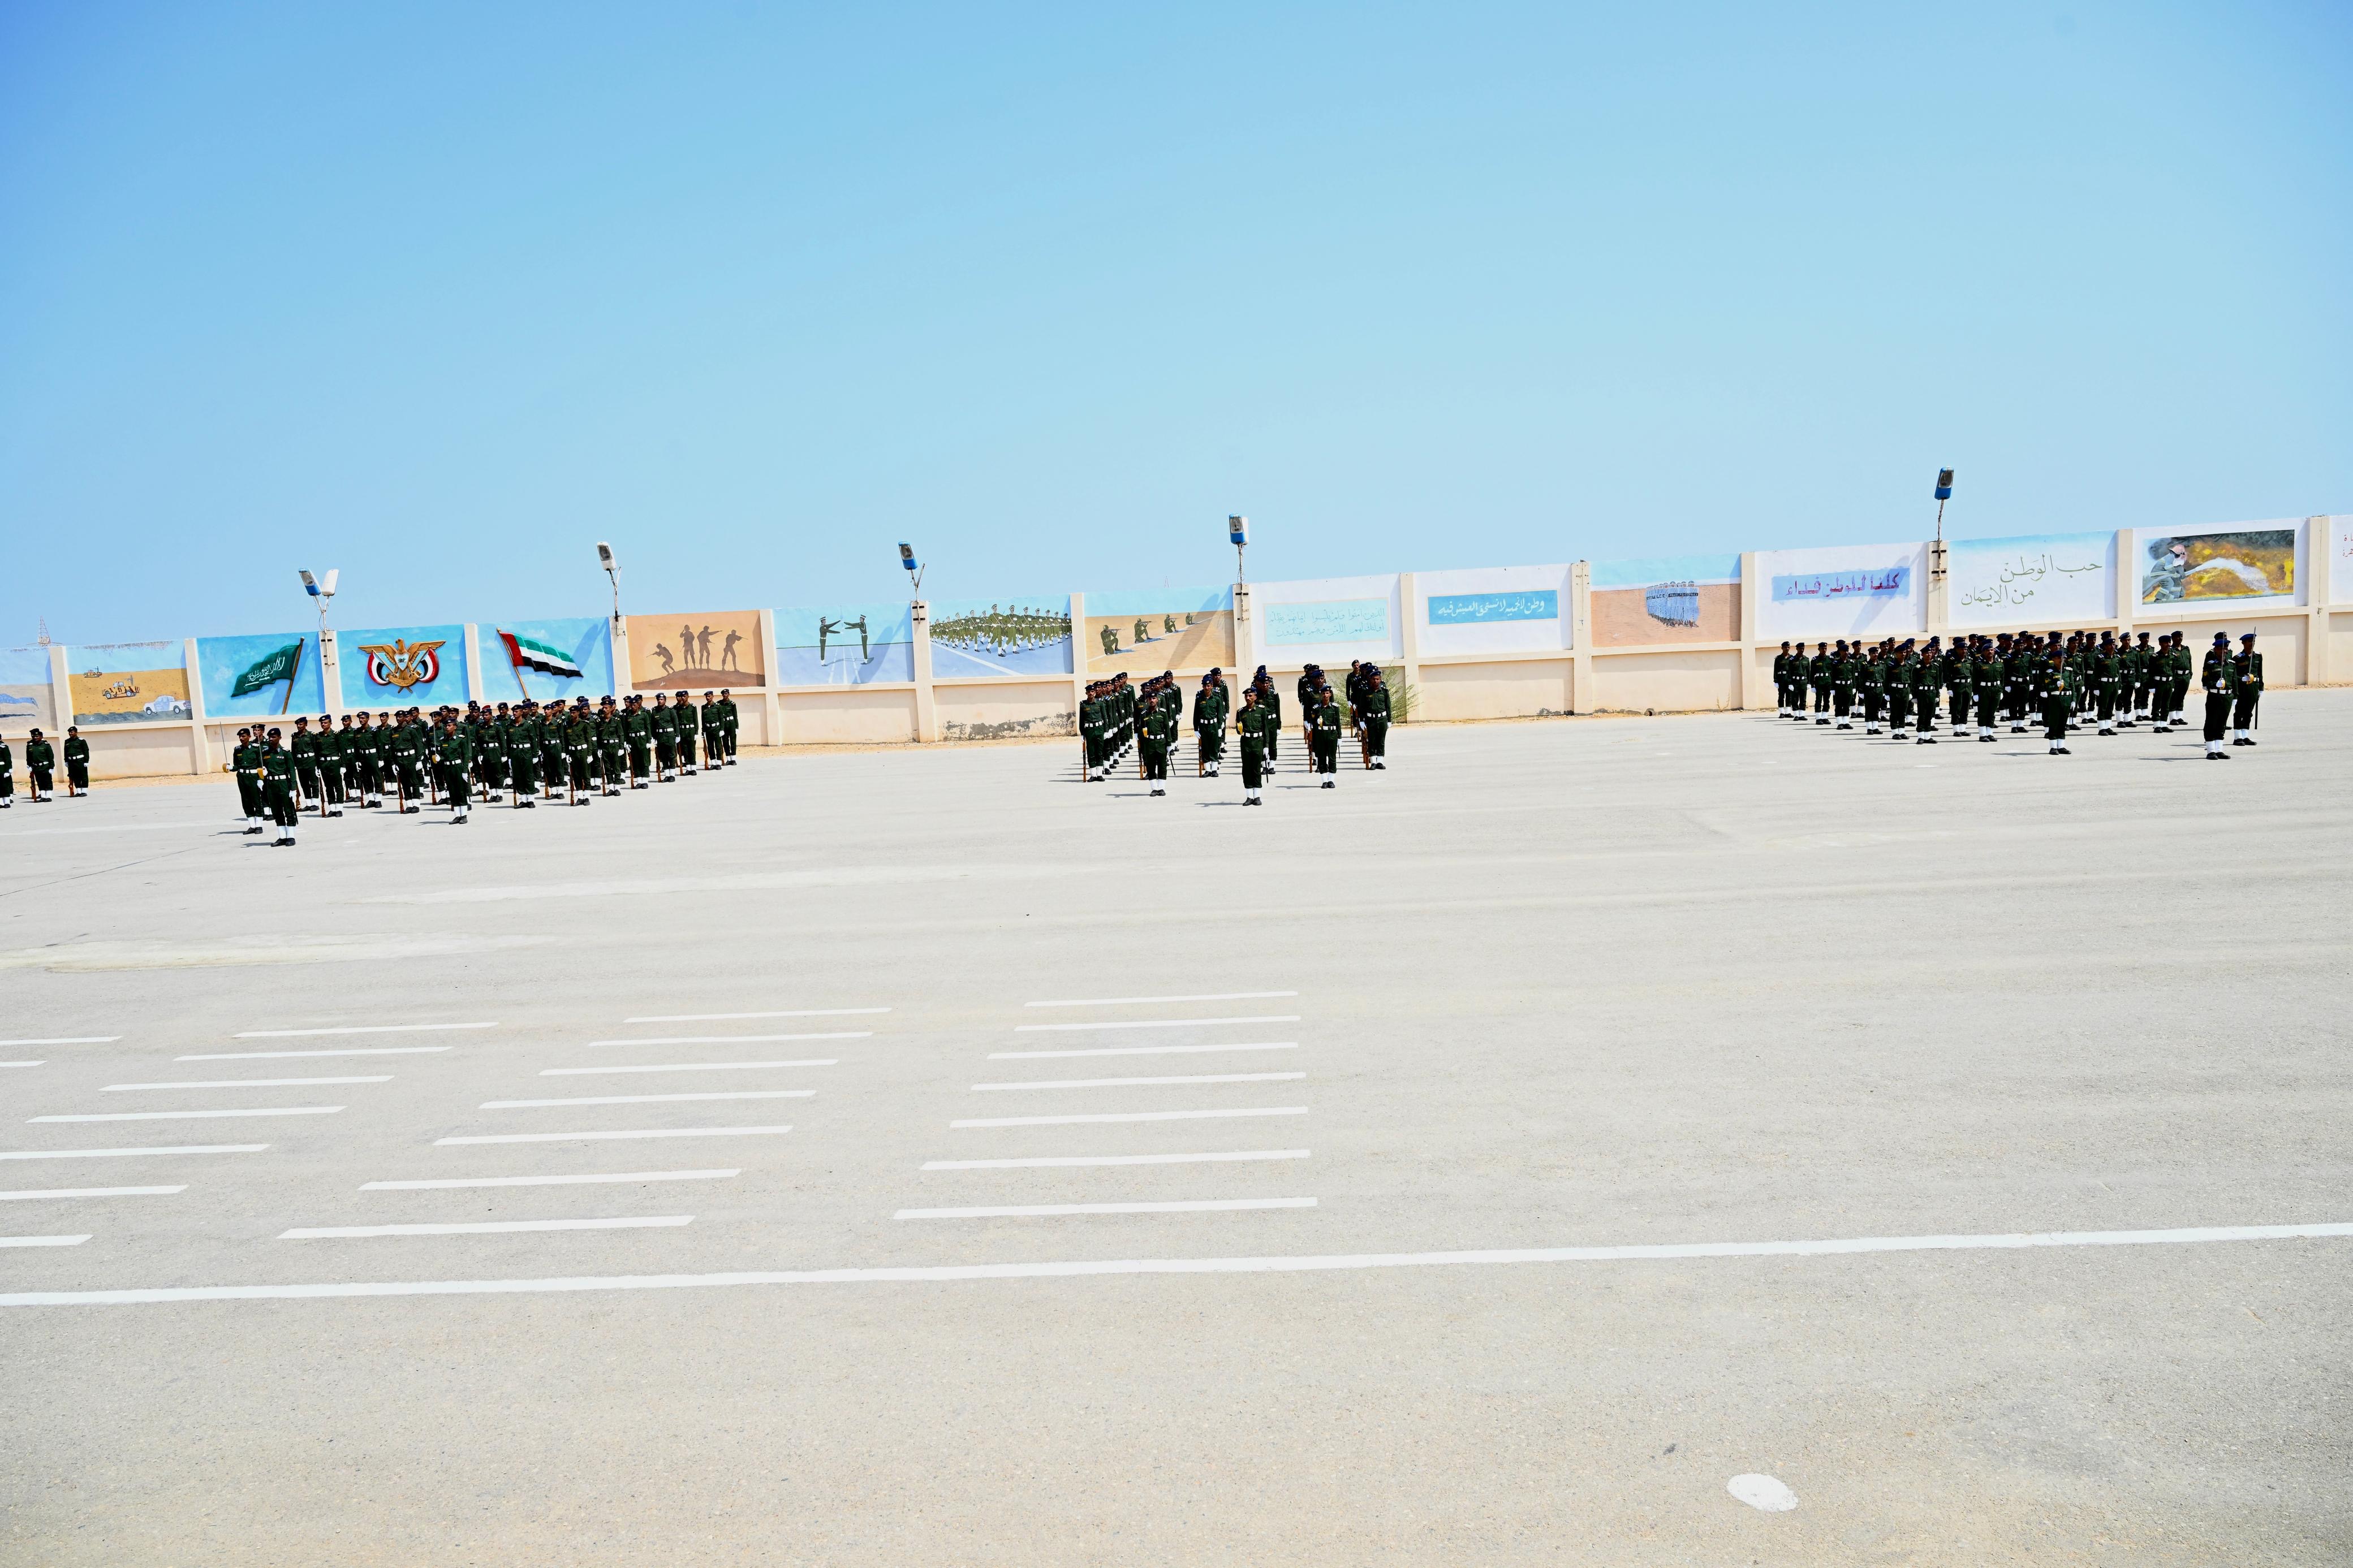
(441, 294)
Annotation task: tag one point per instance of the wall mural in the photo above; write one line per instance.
(1145, 631)
(1481, 609)
(2240, 563)
(1027, 635)
(129, 683)
(701, 651)
(402, 667)
(1844, 591)
(546, 661)
(1665, 599)
(2031, 578)
(1328, 620)
(27, 700)
(846, 645)
(271, 673)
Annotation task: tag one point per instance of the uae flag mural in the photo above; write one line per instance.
(550, 661)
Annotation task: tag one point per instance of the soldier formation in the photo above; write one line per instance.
(1118, 716)
(2058, 682)
(41, 768)
(527, 750)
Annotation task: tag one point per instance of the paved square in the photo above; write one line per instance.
(921, 1156)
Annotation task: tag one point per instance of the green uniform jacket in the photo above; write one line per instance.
(37, 754)
(76, 748)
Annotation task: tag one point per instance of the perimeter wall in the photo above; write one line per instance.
(1648, 635)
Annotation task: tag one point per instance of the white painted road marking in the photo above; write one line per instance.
(288, 1056)
(107, 1153)
(246, 1083)
(68, 1041)
(42, 1240)
(1198, 1206)
(646, 1098)
(1139, 1051)
(637, 1132)
(482, 1228)
(1129, 1116)
(360, 1029)
(715, 1017)
(430, 1186)
(1155, 1024)
(1325, 1263)
(1134, 1001)
(23, 1063)
(89, 1192)
(689, 1067)
(1132, 1082)
(193, 1115)
(732, 1039)
(1067, 1160)
(1764, 1492)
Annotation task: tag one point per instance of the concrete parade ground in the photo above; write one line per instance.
(921, 1156)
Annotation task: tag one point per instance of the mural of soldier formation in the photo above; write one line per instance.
(526, 752)
(1119, 717)
(2060, 683)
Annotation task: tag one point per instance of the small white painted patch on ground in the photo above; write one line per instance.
(1762, 1492)
(1133, 1001)
(82, 957)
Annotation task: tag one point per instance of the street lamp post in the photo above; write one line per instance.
(1238, 533)
(323, 590)
(1944, 494)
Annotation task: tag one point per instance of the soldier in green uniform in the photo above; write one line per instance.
(279, 796)
(39, 759)
(2217, 678)
(328, 750)
(406, 752)
(2246, 689)
(245, 763)
(1156, 734)
(637, 730)
(77, 762)
(682, 715)
(1782, 680)
(612, 747)
(554, 758)
(1986, 682)
(1250, 726)
(1322, 726)
(7, 775)
(727, 727)
(455, 756)
(1271, 709)
(1373, 719)
(525, 750)
(1844, 675)
(580, 752)
(665, 727)
(304, 747)
(492, 760)
(1899, 691)
(2050, 695)
(1956, 675)
(2107, 677)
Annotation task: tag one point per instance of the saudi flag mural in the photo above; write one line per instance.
(251, 677)
(545, 660)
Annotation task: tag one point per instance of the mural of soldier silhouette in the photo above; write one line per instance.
(1146, 632)
(696, 652)
(845, 644)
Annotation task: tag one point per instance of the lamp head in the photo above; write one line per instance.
(1944, 484)
(1237, 530)
(907, 556)
(603, 556)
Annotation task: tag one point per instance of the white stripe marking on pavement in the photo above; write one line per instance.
(68, 1041)
(641, 1132)
(1131, 1082)
(88, 1192)
(1139, 1051)
(1070, 1160)
(688, 1067)
(1197, 1206)
(288, 1056)
(1128, 1001)
(1155, 1024)
(1314, 1263)
(1129, 1116)
(481, 1227)
(23, 1063)
(733, 1039)
(105, 1153)
(441, 1185)
(714, 1017)
(646, 1098)
(42, 1240)
(194, 1115)
(246, 1083)
(358, 1029)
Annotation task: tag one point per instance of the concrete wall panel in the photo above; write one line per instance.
(1667, 683)
(1523, 689)
(1004, 708)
